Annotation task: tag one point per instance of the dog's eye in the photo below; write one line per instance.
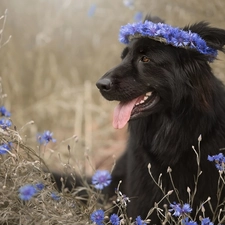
(145, 59)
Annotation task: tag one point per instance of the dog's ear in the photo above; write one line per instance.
(214, 37)
(154, 19)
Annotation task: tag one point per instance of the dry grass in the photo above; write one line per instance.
(22, 166)
(49, 69)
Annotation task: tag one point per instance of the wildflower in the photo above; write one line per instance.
(206, 221)
(26, 192)
(5, 123)
(40, 186)
(97, 217)
(138, 16)
(101, 179)
(4, 148)
(167, 34)
(46, 137)
(219, 160)
(55, 196)
(186, 208)
(4, 112)
(91, 11)
(180, 39)
(178, 209)
(123, 199)
(187, 222)
(114, 219)
(139, 221)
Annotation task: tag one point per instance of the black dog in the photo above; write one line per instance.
(169, 97)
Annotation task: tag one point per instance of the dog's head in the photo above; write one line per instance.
(156, 76)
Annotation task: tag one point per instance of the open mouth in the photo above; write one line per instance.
(134, 109)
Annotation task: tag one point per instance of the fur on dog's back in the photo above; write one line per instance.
(190, 101)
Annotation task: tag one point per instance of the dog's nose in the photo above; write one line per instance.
(104, 84)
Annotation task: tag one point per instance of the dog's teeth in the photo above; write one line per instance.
(144, 99)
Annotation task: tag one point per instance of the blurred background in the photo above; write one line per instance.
(58, 50)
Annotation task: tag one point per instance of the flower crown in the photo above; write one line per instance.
(168, 35)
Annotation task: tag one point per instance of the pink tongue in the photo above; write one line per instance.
(122, 113)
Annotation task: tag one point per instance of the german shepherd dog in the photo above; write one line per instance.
(169, 96)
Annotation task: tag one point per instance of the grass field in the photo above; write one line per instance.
(51, 54)
(58, 50)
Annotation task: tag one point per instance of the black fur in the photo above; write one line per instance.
(191, 102)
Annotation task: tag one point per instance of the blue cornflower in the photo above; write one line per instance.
(186, 208)
(101, 179)
(178, 209)
(219, 160)
(46, 137)
(186, 221)
(55, 196)
(114, 219)
(97, 217)
(27, 191)
(40, 186)
(4, 148)
(92, 10)
(122, 198)
(138, 16)
(4, 112)
(219, 157)
(139, 221)
(180, 38)
(5, 123)
(166, 34)
(206, 221)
